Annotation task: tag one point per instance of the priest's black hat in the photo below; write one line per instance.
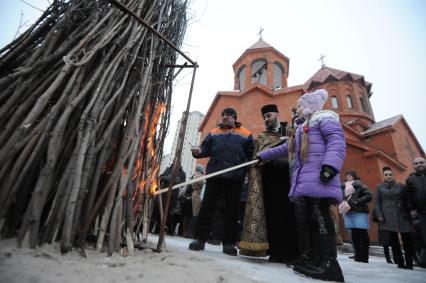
(269, 108)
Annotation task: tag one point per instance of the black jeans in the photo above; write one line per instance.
(315, 228)
(361, 244)
(231, 191)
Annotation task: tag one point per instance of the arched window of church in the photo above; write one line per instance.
(364, 107)
(334, 103)
(278, 75)
(258, 71)
(242, 78)
(349, 101)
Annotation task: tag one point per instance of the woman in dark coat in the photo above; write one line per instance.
(393, 217)
(356, 219)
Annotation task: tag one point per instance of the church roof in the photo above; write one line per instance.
(260, 44)
(327, 74)
(382, 124)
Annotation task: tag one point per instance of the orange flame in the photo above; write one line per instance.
(147, 142)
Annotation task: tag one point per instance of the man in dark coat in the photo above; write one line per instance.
(393, 217)
(416, 190)
(274, 182)
(228, 145)
(279, 211)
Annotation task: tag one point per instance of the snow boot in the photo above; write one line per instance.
(301, 260)
(197, 245)
(309, 255)
(229, 249)
(328, 268)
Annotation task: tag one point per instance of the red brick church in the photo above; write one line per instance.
(261, 78)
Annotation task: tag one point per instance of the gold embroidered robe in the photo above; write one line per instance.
(254, 240)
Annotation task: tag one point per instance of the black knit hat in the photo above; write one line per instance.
(230, 111)
(269, 108)
(353, 174)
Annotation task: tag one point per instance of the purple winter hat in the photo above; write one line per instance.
(313, 101)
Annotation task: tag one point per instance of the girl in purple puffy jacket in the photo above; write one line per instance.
(318, 149)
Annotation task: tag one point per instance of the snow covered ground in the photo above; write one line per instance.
(175, 264)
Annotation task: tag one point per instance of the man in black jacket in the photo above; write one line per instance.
(228, 145)
(416, 191)
(393, 217)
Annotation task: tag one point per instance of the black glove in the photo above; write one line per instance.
(327, 173)
(261, 161)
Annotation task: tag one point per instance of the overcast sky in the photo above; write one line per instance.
(384, 40)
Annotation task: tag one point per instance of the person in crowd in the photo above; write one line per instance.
(355, 210)
(228, 145)
(185, 198)
(416, 200)
(318, 148)
(394, 217)
(196, 197)
(268, 199)
(175, 209)
(175, 212)
(383, 238)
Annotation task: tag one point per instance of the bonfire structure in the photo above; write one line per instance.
(85, 97)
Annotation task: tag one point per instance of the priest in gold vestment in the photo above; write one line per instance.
(269, 224)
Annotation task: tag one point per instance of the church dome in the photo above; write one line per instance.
(326, 74)
(261, 64)
(349, 93)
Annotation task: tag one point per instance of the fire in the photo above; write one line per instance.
(147, 142)
(153, 187)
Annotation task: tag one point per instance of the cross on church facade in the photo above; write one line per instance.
(260, 32)
(322, 60)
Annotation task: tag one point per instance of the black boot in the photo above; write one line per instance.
(310, 258)
(229, 249)
(387, 254)
(328, 268)
(300, 261)
(365, 254)
(408, 262)
(197, 245)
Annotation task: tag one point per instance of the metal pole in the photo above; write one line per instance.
(176, 163)
(126, 10)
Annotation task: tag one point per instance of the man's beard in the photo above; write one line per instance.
(271, 125)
